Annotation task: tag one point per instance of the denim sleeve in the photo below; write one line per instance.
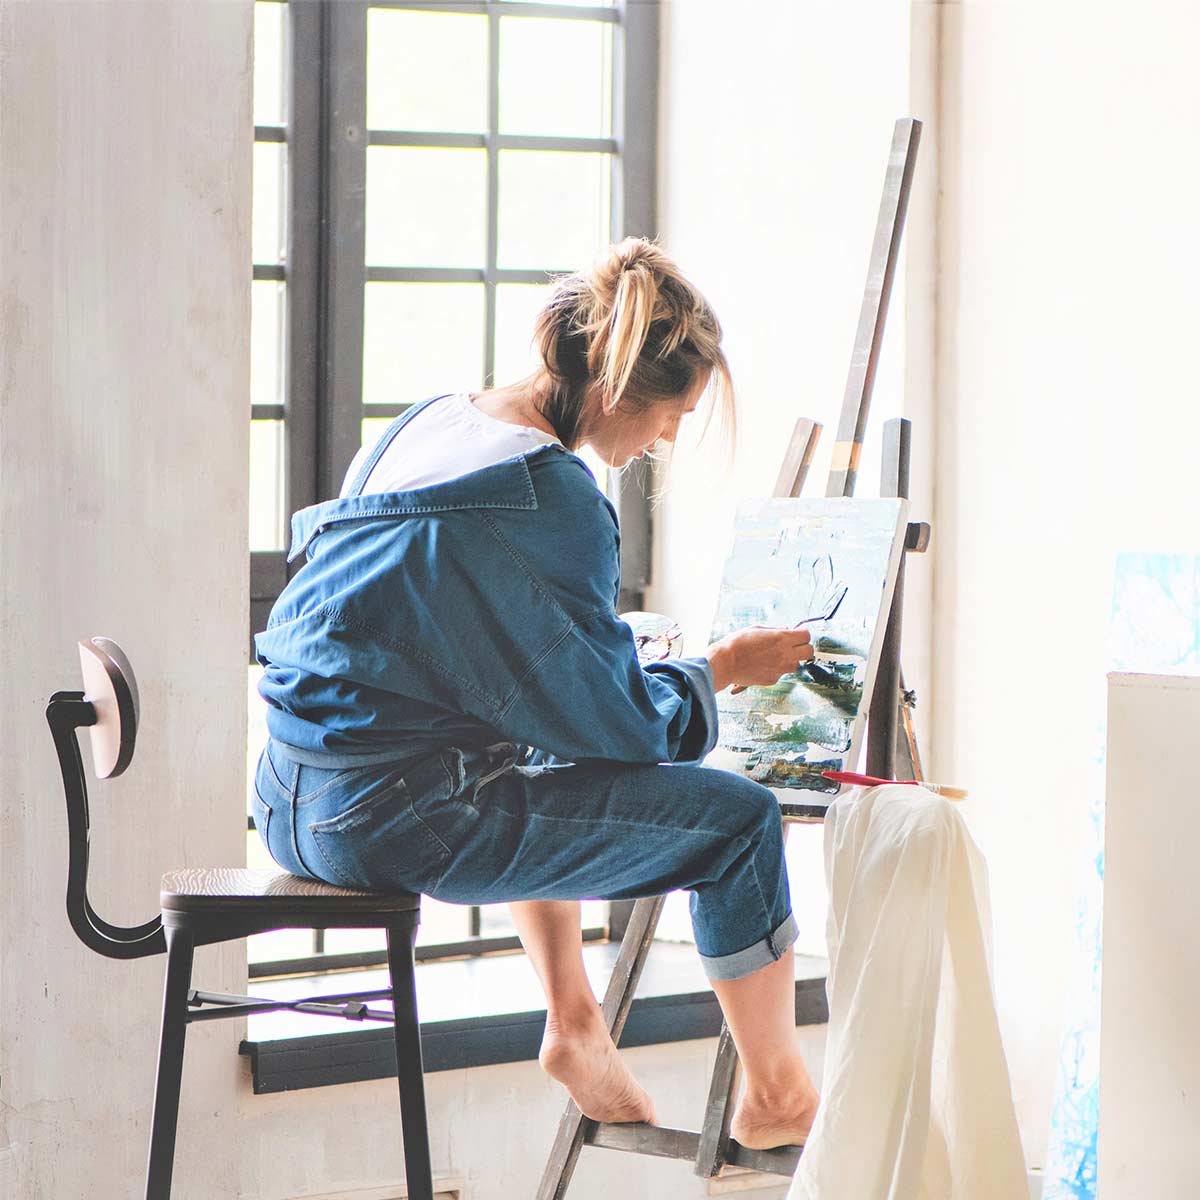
(589, 698)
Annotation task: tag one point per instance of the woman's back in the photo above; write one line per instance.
(466, 612)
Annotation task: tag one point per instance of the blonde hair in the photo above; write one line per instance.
(636, 330)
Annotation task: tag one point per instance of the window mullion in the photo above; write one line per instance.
(491, 141)
(344, 188)
(303, 265)
(635, 213)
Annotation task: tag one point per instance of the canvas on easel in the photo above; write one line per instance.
(828, 566)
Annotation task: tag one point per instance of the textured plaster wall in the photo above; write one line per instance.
(124, 343)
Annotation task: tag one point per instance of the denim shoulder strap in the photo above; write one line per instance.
(360, 480)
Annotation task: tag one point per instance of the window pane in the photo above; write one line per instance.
(358, 941)
(426, 207)
(421, 339)
(266, 342)
(269, 34)
(266, 485)
(441, 922)
(554, 208)
(495, 921)
(426, 71)
(256, 737)
(536, 96)
(268, 230)
(675, 923)
(597, 467)
(280, 943)
(372, 427)
(595, 914)
(517, 306)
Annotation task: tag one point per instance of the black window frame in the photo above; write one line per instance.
(324, 272)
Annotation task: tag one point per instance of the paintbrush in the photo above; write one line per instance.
(822, 674)
(951, 793)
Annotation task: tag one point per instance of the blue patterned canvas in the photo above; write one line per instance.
(1155, 628)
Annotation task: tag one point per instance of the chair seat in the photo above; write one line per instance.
(228, 889)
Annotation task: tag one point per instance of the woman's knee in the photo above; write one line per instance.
(756, 805)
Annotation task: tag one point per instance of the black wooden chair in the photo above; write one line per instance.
(205, 905)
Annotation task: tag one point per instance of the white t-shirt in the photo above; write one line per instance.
(449, 438)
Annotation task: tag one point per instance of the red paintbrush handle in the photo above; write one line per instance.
(862, 780)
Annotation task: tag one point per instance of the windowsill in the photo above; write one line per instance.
(482, 1011)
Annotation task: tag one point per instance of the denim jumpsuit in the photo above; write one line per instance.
(455, 708)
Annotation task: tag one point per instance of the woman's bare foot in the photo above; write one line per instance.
(584, 1060)
(763, 1122)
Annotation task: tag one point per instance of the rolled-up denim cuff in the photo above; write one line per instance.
(761, 954)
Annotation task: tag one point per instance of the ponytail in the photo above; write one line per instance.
(633, 329)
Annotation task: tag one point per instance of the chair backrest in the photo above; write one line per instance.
(110, 687)
(109, 710)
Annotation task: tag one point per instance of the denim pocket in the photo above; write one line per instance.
(381, 842)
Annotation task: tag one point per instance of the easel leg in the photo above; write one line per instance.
(891, 741)
(713, 1151)
(574, 1127)
(718, 1112)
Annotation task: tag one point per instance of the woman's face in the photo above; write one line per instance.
(623, 435)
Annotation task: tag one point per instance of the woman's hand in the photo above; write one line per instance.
(758, 655)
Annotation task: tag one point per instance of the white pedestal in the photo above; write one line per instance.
(1149, 1144)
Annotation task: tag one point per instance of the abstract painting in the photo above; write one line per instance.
(828, 566)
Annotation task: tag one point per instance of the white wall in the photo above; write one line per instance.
(124, 319)
(1067, 426)
(1048, 305)
(775, 131)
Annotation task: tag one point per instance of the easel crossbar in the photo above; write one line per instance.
(661, 1141)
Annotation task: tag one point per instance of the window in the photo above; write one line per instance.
(421, 172)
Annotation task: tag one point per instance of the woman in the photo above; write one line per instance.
(456, 709)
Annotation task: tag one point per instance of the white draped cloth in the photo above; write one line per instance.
(916, 1100)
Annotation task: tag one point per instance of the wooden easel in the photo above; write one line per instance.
(712, 1149)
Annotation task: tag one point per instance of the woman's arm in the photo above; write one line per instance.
(590, 698)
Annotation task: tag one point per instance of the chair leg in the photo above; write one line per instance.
(180, 944)
(409, 1072)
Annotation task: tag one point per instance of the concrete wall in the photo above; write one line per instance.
(1067, 426)
(124, 319)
